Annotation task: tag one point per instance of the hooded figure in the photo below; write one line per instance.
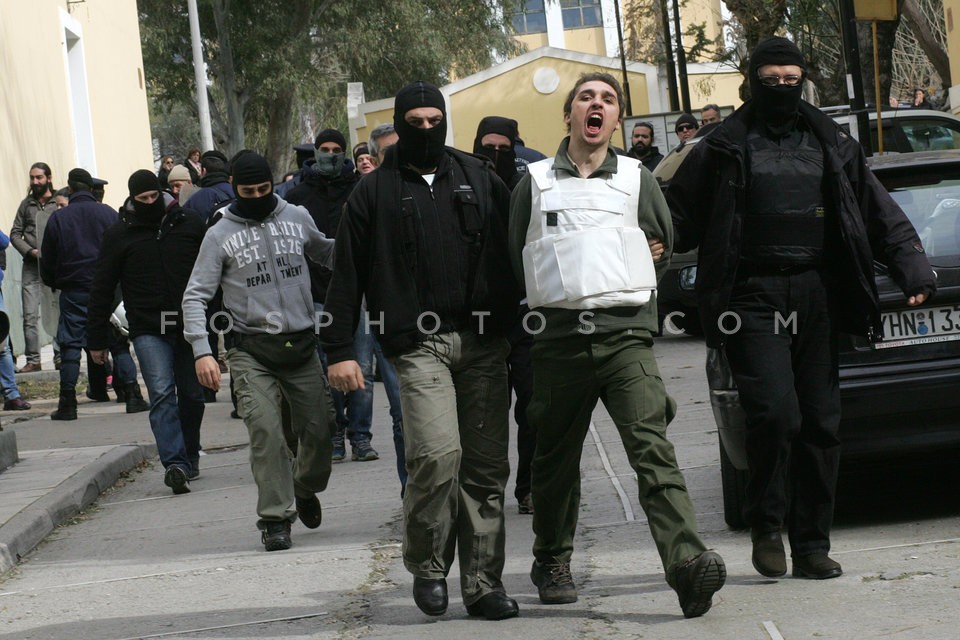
(249, 169)
(329, 165)
(420, 148)
(776, 106)
(143, 182)
(504, 159)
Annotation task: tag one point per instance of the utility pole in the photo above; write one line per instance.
(200, 76)
(851, 51)
(681, 58)
(668, 49)
(623, 70)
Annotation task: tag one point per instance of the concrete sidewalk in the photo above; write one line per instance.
(63, 467)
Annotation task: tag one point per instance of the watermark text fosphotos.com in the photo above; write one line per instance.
(429, 323)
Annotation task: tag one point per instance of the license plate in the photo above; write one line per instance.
(919, 326)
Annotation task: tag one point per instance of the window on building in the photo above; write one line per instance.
(581, 13)
(531, 18)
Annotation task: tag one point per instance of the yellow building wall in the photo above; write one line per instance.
(35, 122)
(117, 86)
(532, 40)
(34, 103)
(374, 119)
(951, 14)
(586, 40)
(706, 12)
(717, 88)
(539, 116)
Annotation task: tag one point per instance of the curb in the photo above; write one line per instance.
(24, 531)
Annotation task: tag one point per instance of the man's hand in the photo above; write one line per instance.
(208, 372)
(98, 355)
(345, 376)
(917, 299)
(656, 248)
(34, 252)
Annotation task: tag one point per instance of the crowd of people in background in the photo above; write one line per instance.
(391, 256)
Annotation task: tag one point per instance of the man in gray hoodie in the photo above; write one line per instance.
(257, 252)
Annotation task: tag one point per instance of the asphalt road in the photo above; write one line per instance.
(145, 564)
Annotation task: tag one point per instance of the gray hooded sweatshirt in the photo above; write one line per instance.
(262, 267)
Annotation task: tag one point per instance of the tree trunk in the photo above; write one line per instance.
(924, 33)
(279, 118)
(280, 113)
(234, 98)
(759, 19)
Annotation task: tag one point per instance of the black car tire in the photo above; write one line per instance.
(734, 483)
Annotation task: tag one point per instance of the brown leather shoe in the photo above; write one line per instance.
(30, 367)
(17, 404)
(768, 557)
(816, 566)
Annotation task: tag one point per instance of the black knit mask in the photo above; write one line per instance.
(421, 148)
(151, 213)
(255, 208)
(776, 107)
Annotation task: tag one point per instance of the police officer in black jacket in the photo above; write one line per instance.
(789, 220)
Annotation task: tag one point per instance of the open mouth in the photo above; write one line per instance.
(594, 123)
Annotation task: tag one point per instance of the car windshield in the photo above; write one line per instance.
(932, 202)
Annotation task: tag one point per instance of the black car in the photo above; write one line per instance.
(900, 394)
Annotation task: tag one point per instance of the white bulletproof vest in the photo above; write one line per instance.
(584, 247)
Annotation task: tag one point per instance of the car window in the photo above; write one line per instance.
(934, 209)
(929, 135)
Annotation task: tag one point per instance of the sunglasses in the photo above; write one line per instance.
(685, 127)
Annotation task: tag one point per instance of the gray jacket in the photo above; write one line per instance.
(262, 268)
(27, 224)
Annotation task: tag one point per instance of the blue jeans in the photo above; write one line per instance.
(354, 410)
(176, 398)
(8, 379)
(72, 336)
(390, 384)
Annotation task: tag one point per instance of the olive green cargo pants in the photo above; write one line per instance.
(279, 480)
(569, 376)
(454, 396)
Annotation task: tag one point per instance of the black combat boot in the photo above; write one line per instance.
(135, 401)
(67, 407)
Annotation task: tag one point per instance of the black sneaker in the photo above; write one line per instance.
(309, 511)
(363, 452)
(276, 535)
(695, 582)
(554, 581)
(176, 479)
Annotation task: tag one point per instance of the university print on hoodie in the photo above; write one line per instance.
(261, 266)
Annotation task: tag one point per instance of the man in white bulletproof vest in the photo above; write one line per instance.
(590, 235)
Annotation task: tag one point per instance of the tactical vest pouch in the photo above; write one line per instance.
(280, 350)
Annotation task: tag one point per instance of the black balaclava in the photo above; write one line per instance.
(776, 107)
(329, 165)
(141, 181)
(504, 161)
(251, 168)
(421, 148)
